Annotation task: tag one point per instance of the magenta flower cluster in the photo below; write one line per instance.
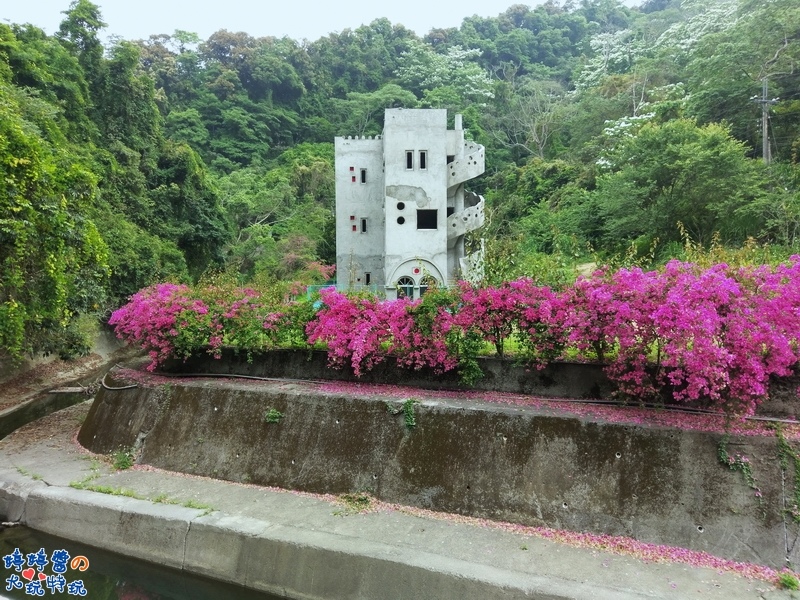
(713, 335)
(362, 331)
(171, 320)
(153, 317)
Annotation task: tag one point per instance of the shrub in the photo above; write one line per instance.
(712, 334)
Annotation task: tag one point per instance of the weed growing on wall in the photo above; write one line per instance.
(788, 454)
(409, 413)
(122, 459)
(739, 462)
(273, 416)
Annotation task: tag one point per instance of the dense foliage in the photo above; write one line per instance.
(613, 135)
(714, 335)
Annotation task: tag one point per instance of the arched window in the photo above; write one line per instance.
(425, 283)
(405, 288)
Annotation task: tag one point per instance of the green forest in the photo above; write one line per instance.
(613, 135)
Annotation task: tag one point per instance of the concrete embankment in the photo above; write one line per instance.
(307, 547)
(523, 464)
(556, 380)
(35, 388)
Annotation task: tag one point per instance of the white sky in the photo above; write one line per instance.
(299, 19)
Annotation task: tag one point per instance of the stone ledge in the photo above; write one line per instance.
(277, 559)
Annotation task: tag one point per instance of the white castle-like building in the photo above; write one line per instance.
(401, 207)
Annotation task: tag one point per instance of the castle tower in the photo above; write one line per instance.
(401, 207)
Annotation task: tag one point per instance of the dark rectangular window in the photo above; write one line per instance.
(427, 219)
(450, 210)
(363, 226)
(423, 159)
(409, 159)
(363, 176)
(367, 278)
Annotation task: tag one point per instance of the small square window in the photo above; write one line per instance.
(352, 168)
(352, 217)
(355, 228)
(427, 219)
(353, 179)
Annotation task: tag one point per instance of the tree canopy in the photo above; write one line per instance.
(608, 130)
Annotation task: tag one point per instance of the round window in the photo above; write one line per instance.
(401, 220)
(401, 205)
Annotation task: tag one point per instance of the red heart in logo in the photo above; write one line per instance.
(42, 576)
(28, 574)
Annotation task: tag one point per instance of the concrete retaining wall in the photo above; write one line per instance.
(507, 463)
(557, 380)
(16, 416)
(564, 380)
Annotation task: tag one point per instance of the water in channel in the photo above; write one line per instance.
(107, 576)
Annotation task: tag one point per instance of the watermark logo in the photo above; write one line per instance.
(29, 572)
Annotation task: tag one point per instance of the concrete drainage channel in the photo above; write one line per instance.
(42, 405)
(275, 557)
(300, 546)
(520, 464)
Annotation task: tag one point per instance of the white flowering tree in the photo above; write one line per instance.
(613, 52)
(704, 17)
(444, 79)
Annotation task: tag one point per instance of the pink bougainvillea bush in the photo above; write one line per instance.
(171, 320)
(362, 330)
(357, 330)
(153, 317)
(716, 334)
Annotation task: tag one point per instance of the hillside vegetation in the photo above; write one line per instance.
(614, 135)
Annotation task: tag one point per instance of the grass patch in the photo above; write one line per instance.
(354, 503)
(84, 483)
(206, 508)
(26, 473)
(106, 489)
(787, 581)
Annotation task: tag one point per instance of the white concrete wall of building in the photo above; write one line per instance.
(411, 251)
(359, 205)
(417, 165)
